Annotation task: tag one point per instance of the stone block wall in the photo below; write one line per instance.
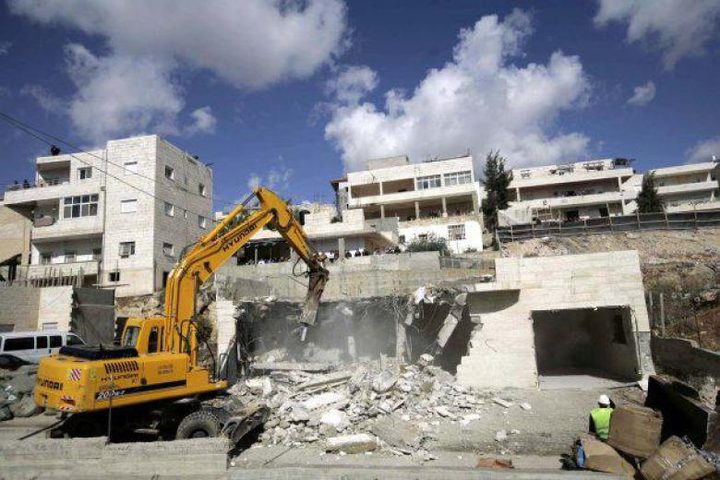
(19, 308)
(502, 352)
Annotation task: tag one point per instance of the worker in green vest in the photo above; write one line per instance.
(600, 418)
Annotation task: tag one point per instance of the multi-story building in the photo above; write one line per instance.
(576, 191)
(438, 198)
(607, 187)
(689, 187)
(119, 216)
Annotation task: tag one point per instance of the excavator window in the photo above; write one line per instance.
(153, 340)
(130, 337)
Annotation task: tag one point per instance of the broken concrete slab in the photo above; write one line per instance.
(384, 381)
(358, 443)
(329, 379)
(313, 367)
(502, 403)
(397, 432)
(323, 400)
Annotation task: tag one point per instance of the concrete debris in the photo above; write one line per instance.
(16, 393)
(358, 443)
(426, 359)
(526, 406)
(501, 436)
(501, 402)
(292, 366)
(384, 382)
(335, 418)
(323, 400)
(401, 405)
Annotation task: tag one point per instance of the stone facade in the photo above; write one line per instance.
(141, 192)
(503, 347)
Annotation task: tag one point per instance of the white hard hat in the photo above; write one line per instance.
(604, 400)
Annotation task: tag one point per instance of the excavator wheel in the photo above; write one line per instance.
(199, 424)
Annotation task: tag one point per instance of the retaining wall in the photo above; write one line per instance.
(684, 358)
(19, 308)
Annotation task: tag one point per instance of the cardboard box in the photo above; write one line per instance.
(675, 460)
(601, 457)
(635, 430)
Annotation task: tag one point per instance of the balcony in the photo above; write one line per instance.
(50, 228)
(687, 188)
(576, 176)
(90, 267)
(576, 201)
(415, 195)
(49, 190)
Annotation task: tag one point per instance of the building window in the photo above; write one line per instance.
(84, 172)
(131, 167)
(128, 206)
(127, 249)
(114, 276)
(458, 178)
(202, 222)
(169, 209)
(80, 206)
(168, 249)
(45, 258)
(431, 181)
(97, 254)
(69, 256)
(201, 190)
(169, 172)
(456, 232)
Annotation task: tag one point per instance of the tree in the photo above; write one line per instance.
(496, 184)
(648, 200)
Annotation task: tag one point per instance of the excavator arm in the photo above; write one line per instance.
(215, 248)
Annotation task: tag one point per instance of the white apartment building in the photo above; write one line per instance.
(576, 191)
(438, 198)
(120, 215)
(606, 187)
(689, 187)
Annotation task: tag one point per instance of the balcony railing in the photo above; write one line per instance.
(43, 183)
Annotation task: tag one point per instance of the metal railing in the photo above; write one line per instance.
(473, 263)
(625, 223)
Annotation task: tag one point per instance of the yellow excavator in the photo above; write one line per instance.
(153, 383)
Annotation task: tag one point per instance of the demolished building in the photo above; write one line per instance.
(520, 324)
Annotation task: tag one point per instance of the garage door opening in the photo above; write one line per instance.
(592, 347)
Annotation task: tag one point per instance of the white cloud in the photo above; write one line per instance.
(133, 88)
(249, 43)
(479, 100)
(121, 94)
(203, 121)
(277, 178)
(5, 48)
(45, 99)
(704, 151)
(679, 28)
(642, 95)
(352, 83)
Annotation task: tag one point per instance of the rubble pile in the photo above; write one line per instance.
(16, 393)
(365, 406)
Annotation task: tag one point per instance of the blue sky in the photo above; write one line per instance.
(292, 95)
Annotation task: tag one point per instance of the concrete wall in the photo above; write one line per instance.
(473, 233)
(683, 358)
(353, 278)
(14, 234)
(502, 350)
(19, 308)
(55, 307)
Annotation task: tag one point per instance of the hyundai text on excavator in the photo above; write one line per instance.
(152, 382)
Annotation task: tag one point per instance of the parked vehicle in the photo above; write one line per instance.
(31, 346)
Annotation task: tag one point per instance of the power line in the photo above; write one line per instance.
(29, 129)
